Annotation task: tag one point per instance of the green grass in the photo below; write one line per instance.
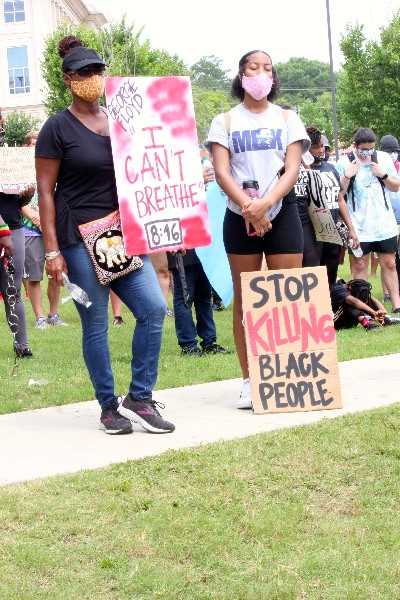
(310, 512)
(305, 513)
(58, 357)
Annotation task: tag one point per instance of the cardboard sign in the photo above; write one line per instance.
(323, 193)
(290, 340)
(17, 169)
(157, 163)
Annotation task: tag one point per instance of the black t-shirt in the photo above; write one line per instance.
(301, 191)
(338, 295)
(331, 187)
(86, 188)
(10, 210)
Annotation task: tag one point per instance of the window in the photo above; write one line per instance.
(18, 72)
(14, 12)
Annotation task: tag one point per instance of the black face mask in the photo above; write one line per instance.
(319, 159)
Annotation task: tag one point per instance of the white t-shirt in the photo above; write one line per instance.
(372, 220)
(257, 145)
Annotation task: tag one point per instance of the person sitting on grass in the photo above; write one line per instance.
(352, 304)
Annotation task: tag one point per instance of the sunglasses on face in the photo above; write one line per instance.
(90, 70)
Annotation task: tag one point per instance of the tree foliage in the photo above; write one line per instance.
(319, 113)
(302, 79)
(17, 124)
(119, 45)
(207, 104)
(369, 89)
(305, 86)
(208, 74)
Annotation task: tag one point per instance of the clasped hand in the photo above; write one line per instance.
(255, 211)
(379, 316)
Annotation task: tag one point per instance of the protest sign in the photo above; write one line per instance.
(213, 258)
(17, 169)
(323, 194)
(157, 163)
(290, 340)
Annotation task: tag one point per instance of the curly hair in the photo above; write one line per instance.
(314, 134)
(237, 90)
(361, 289)
(69, 43)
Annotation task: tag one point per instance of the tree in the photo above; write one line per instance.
(305, 85)
(302, 79)
(319, 113)
(121, 49)
(354, 87)
(208, 74)
(17, 124)
(207, 104)
(369, 90)
(211, 92)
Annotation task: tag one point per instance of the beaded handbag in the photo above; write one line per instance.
(104, 242)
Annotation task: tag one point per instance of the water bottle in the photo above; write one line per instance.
(308, 158)
(206, 163)
(75, 292)
(251, 189)
(357, 251)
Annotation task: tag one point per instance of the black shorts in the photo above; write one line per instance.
(285, 237)
(388, 246)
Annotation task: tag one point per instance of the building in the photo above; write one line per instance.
(24, 25)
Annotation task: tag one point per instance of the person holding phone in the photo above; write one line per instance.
(257, 141)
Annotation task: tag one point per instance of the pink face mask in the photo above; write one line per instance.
(258, 86)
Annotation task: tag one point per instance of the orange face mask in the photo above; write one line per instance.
(90, 89)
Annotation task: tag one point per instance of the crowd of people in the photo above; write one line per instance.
(258, 141)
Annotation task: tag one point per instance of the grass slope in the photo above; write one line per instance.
(310, 512)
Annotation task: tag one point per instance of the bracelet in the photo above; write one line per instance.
(385, 176)
(4, 229)
(51, 255)
(346, 176)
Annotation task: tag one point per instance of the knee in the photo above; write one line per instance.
(157, 310)
(390, 264)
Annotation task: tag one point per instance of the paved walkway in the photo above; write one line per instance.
(50, 441)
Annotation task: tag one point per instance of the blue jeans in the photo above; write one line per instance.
(199, 289)
(141, 293)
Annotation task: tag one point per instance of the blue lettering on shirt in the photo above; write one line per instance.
(257, 139)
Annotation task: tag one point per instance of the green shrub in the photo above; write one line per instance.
(17, 124)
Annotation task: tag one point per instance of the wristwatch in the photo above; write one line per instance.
(385, 177)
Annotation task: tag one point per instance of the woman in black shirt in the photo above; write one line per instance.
(76, 185)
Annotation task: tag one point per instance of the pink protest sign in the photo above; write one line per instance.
(157, 163)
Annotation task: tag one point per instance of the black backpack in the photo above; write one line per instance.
(374, 158)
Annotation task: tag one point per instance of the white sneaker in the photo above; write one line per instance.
(41, 323)
(245, 399)
(55, 320)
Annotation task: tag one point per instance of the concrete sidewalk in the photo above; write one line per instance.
(50, 441)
